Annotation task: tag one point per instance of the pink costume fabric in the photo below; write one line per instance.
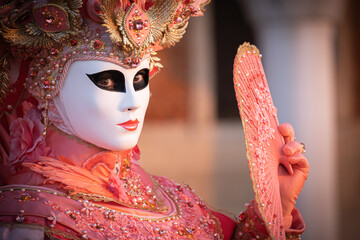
(58, 186)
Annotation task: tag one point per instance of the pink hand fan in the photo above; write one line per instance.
(264, 142)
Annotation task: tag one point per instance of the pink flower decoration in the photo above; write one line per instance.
(26, 140)
(87, 208)
(52, 218)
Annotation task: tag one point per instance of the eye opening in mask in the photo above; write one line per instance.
(141, 79)
(109, 80)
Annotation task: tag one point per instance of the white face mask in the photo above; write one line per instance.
(105, 103)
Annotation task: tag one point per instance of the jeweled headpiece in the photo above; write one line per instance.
(40, 39)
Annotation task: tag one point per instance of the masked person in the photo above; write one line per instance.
(74, 93)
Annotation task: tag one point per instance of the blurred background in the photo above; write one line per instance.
(310, 49)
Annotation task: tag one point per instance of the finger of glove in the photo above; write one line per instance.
(283, 161)
(300, 161)
(292, 148)
(287, 131)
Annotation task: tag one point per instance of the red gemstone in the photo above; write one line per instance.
(127, 61)
(97, 44)
(33, 74)
(138, 24)
(135, 62)
(46, 84)
(73, 42)
(202, 204)
(42, 62)
(193, 10)
(54, 51)
(242, 216)
(50, 19)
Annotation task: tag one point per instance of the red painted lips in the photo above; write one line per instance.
(130, 125)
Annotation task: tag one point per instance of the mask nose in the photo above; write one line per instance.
(130, 102)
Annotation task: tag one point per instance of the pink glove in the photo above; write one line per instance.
(293, 172)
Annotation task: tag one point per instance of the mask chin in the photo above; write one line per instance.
(111, 120)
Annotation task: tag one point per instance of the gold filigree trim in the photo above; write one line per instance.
(32, 35)
(247, 48)
(218, 224)
(202, 6)
(51, 5)
(4, 75)
(173, 34)
(290, 235)
(50, 231)
(7, 5)
(154, 62)
(160, 16)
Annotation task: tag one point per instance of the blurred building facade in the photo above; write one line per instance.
(193, 133)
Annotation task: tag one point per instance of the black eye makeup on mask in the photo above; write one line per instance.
(110, 80)
(141, 79)
(113, 80)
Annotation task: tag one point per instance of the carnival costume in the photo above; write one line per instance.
(58, 184)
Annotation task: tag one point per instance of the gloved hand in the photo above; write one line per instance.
(293, 171)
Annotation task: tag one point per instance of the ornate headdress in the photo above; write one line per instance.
(40, 39)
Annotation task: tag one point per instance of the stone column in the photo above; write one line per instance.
(185, 151)
(298, 42)
(201, 69)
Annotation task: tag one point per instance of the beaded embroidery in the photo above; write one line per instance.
(191, 220)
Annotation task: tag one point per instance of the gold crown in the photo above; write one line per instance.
(46, 36)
